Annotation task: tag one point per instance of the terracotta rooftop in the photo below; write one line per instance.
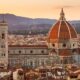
(62, 30)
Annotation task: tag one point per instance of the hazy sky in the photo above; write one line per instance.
(41, 8)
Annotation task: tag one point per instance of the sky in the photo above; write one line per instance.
(42, 8)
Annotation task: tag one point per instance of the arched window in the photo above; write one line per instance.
(3, 54)
(31, 51)
(3, 36)
(2, 46)
(73, 45)
(53, 45)
(19, 51)
(64, 45)
(42, 51)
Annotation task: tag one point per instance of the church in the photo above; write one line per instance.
(61, 47)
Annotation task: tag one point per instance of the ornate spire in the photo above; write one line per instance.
(62, 15)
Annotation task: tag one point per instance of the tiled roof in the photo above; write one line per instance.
(30, 46)
(62, 30)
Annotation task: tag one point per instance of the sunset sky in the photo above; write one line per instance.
(41, 8)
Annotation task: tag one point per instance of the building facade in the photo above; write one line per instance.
(30, 56)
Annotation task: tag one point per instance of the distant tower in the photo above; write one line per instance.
(3, 44)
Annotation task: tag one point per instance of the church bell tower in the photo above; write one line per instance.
(3, 44)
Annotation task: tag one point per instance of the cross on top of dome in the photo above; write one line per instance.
(62, 15)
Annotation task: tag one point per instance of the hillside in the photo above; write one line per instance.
(24, 25)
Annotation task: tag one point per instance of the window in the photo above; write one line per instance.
(2, 46)
(65, 61)
(31, 51)
(73, 44)
(53, 45)
(42, 51)
(19, 51)
(3, 54)
(3, 36)
(64, 45)
(74, 50)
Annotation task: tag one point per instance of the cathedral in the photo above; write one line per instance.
(62, 40)
(61, 47)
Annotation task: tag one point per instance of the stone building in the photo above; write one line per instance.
(62, 39)
(30, 56)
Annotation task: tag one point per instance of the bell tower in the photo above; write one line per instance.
(3, 44)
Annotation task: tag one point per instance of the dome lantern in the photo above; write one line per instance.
(62, 15)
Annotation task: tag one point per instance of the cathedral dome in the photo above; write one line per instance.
(62, 30)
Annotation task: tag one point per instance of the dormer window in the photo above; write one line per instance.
(3, 36)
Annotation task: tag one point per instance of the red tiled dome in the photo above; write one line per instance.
(62, 30)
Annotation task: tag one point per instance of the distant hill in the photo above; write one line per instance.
(24, 25)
